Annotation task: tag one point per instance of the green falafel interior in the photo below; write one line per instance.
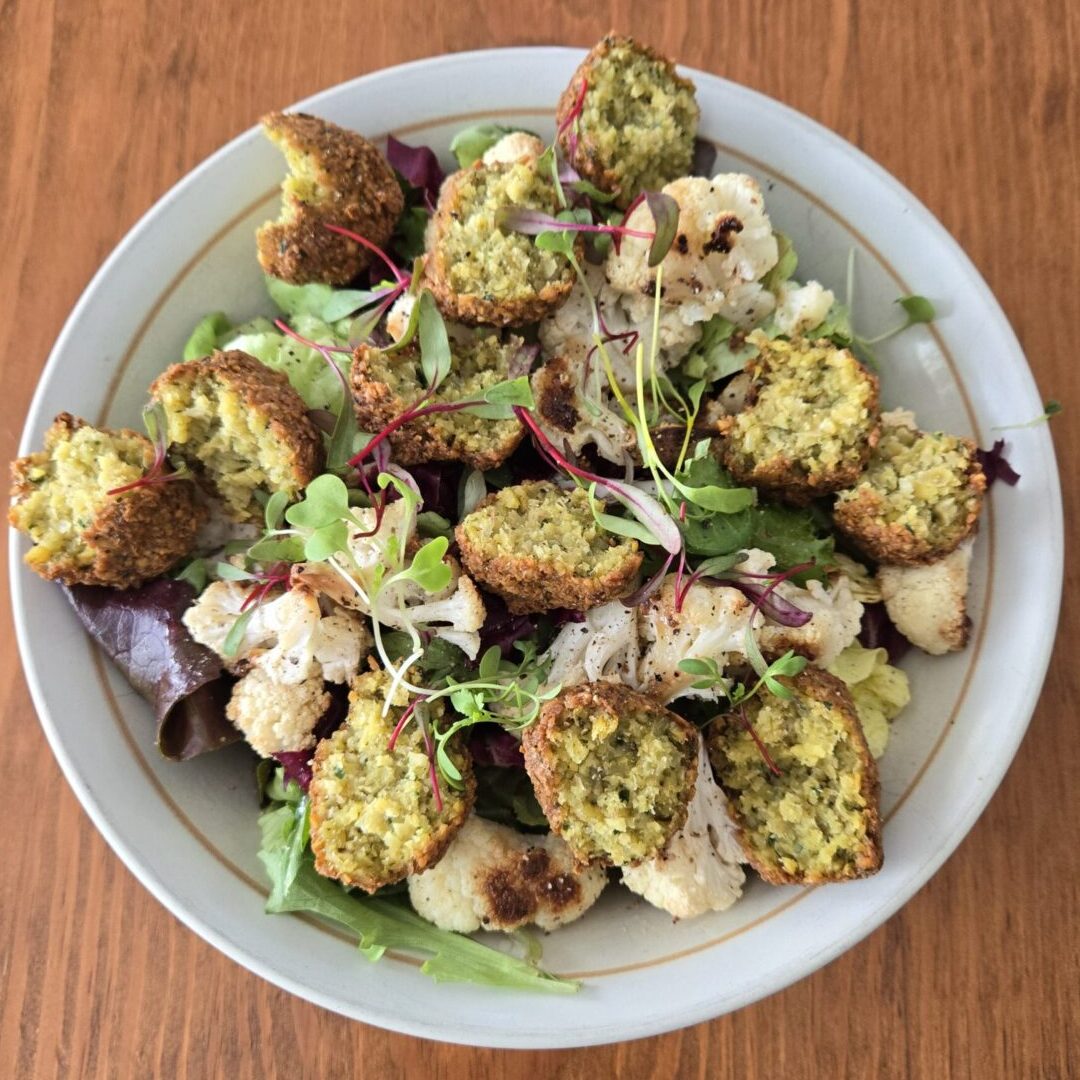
(557, 604)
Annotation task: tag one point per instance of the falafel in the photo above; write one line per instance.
(374, 815)
(801, 783)
(336, 177)
(242, 426)
(481, 275)
(919, 498)
(809, 422)
(385, 384)
(539, 548)
(637, 122)
(82, 534)
(613, 770)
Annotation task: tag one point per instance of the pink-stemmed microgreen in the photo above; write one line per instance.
(159, 471)
(570, 125)
(744, 720)
(264, 582)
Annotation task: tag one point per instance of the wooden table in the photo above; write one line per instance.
(974, 106)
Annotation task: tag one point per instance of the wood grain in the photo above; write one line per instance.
(974, 106)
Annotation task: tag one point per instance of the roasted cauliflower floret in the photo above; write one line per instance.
(928, 603)
(481, 274)
(699, 870)
(816, 817)
(374, 814)
(386, 384)
(810, 421)
(493, 878)
(336, 177)
(276, 716)
(879, 690)
(241, 426)
(919, 497)
(637, 121)
(801, 308)
(288, 636)
(613, 771)
(539, 548)
(514, 146)
(724, 245)
(81, 534)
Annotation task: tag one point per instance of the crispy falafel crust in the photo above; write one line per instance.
(859, 517)
(377, 404)
(586, 159)
(361, 194)
(820, 686)
(474, 309)
(542, 763)
(441, 832)
(786, 477)
(529, 585)
(135, 536)
(262, 390)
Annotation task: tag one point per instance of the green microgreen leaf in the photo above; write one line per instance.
(428, 568)
(227, 572)
(274, 511)
(918, 309)
(435, 359)
(1050, 410)
(326, 500)
(235, 636)
(196, 573)
(665, 214)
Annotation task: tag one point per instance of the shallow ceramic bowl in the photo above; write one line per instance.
(189, 831)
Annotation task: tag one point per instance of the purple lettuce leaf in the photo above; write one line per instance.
(879, 632)
(418, 165)
(489, 744)
(142, 632)
(501, 627)
(297, 763)
(995, 466)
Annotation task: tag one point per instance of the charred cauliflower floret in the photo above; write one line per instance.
(724, 245)
(336, 177)
(810, 420)
(493, 878)
(83, 535)
(816, 818)
(801, 308)
(481, 274)
(540, 548)
(928, 603)
(241, 426)
(613, 771)
(699, 870)
(919, 497)
(637, 121)
(386, 384)
(374, 815)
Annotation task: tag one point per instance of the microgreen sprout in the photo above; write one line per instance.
(1050, 410)
(156, 424)
(572, 120)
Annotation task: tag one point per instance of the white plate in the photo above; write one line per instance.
(188, 831)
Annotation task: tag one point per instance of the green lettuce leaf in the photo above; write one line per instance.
(713, 357)
(382, 923)
(204, 338)
(472, 143)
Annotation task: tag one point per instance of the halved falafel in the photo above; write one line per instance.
(809, 421)
(374, 815)
(918, 499)
(242, 426)
(539, 548)
(85, 536)
(481, 274)
(386, 384)
(637, 121)
(336, 177)
(613, 770)
(816, 818)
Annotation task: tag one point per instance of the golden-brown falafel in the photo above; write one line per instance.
(82, 534)
(816, 818)
(919, 498)
(613, 770)
(242, 426)
(539, 548)
(480, 274)
(386, 384)
(338, 178)
(637, 121)
(809, 421)
(374, 814)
